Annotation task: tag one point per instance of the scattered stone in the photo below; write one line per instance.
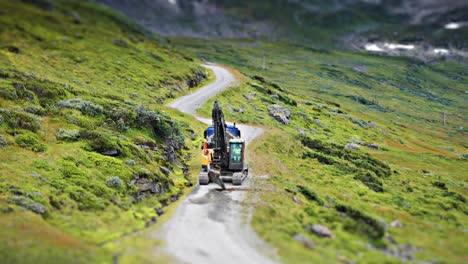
(37, 208)
(37, 175)
(390, 239)
(352, 146)
(134, 94)
(319, 230)
(165, 170)
(301, 131)
(371, 124)
(274, 97)
(248, 97)
(151, 222)
(239, 110)
(131, 162)
(112, 153)
(76, 17)
(305, 241)
(396, 224)
(373, 146)
(281, 114)
(317, 120)
(13, 49)
(120, 42)
(296, 200)
(404, 252)
(159, 211)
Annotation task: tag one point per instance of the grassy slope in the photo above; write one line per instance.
(425, 188)
(50, 53)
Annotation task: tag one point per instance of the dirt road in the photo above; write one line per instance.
(211, 226)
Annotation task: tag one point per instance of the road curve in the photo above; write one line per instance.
(211, 226)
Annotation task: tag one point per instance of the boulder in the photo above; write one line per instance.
(352, 146)
(281, 114)
(320, 230)
(396, 224)
(304, 241)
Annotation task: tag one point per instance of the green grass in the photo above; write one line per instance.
(417, 175)
(78, 80)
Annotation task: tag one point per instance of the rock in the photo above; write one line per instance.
(390, 239)
(373, 146)
(159, 211)
(39, 176)
(296, 200)
(317, 120)
(396, 224)
(151, 222)
(280, 114)
(37, 208)
(371, 124)
(136, 94)
(165, 170)
(301, 131)
(274, 97)
(131, 162)
(248, 97)
(352, 146)
(76, 17)
(319, 230)
(112, 153)
(304, 241)
(13, 49)
(120, 42)
(240, 110)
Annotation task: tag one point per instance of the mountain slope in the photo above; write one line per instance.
(87, 151)
(356, 143)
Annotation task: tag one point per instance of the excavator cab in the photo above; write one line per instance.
(236, 154)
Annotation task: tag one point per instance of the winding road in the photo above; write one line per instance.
(212, 226)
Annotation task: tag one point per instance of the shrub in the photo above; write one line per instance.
(370, 180)
(17, 119)
(361, 223)
(85, 107)
(33, 109)
(3, 141)
(161, 125)
(367, 168)
(67, 135)
(310, 194)
(114, 182)
(31, 142)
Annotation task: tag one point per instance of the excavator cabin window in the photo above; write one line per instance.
(236, 152)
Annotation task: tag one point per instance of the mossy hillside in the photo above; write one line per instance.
(87, 149)
(409, 166)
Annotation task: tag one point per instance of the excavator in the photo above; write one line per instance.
(223, 152)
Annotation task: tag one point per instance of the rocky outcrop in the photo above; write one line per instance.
(281, 114)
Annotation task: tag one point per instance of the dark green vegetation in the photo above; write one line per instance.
(87, 151)
(365, 145)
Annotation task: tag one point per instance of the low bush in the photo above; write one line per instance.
(31, 142)
(18, 119)
(67, 135)
(3, 141)
(361, 223)
(310, 194)
(366, 168)
(114, 182)
(85, 107)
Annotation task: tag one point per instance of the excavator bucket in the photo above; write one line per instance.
(215, 176)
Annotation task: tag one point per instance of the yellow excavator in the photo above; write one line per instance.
(223, 152)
